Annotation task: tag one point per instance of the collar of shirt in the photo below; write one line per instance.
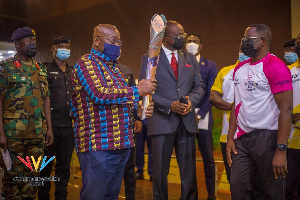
(67, 66)
(105, 59)
(168, 53)
(198, 58)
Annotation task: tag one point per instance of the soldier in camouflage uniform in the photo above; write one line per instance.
(25, 117)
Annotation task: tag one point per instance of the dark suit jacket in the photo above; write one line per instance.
(189, 83)
(209, 71)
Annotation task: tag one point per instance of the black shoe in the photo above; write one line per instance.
(151, 178)
(139, 176)
(211, 197)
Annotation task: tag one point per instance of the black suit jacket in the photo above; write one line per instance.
(189, 83)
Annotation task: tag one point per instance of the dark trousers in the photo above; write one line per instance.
(257, 192)
(162, 147)
(293, 176)
(227, 168)
(140, 146)
(102, 173)
(205, 144)
(255, 151)
(129, 176)
(62, 148)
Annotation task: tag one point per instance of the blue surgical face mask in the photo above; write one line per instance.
(63, 54)
(112, 51)
(290, 57)
(242, 57)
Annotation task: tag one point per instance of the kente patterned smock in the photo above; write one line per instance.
(103, 105)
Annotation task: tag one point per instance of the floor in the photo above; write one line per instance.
(144, 187)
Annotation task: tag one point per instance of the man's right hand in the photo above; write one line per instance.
(178, 107)
(146, 86)
(230, 148)
(3, 142)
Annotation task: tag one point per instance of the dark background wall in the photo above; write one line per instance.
(221, 24)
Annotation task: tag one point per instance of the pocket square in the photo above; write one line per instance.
(187, 65)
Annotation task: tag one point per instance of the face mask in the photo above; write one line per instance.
(63, 54)
(290, 57)
(248, 48)
(192, 48)
(178, 43)
(242, 57)
(30, 50)
(112, 51)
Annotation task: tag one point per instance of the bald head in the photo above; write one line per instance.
(104, 33)
(105, 30)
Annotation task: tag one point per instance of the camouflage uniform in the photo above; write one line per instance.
(24, 88)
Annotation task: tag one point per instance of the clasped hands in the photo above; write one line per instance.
(181, 108)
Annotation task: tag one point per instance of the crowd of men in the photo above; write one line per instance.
(48, 109)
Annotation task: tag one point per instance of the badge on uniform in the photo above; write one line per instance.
(53, 72)
(202, 63)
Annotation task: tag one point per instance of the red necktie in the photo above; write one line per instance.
(174, 65)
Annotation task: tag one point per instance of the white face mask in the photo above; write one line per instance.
(192, 48)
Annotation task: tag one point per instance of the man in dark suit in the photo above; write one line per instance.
(209, 71)
(174, 123)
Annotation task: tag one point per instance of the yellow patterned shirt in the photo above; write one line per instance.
(224, 84)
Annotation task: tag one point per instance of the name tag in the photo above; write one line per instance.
(53, 72)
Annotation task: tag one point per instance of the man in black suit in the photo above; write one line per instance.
(174, 124)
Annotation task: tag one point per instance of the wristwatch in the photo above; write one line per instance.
(281, 147)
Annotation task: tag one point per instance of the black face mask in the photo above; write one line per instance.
(30, 50)
(178, 43)
(248, 48)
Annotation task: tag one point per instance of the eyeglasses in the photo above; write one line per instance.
(248, 38)
(183, 35)
(111, 40)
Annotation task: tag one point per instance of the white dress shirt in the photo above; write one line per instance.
(169, 53)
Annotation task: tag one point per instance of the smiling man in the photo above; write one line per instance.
(260, 119)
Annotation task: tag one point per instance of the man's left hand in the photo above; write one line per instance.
(49, 137)
(148, 110)
(279, 164)
(137, 126)
(189, 107)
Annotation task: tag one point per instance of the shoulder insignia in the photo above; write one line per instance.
(40, 65)
(6, 61)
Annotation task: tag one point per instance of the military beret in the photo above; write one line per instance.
(23, 33)
(61, 39)
(290, 43)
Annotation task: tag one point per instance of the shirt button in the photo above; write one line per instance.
(178, 89)
(67, 92)
(67, 103)
(66, 83)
